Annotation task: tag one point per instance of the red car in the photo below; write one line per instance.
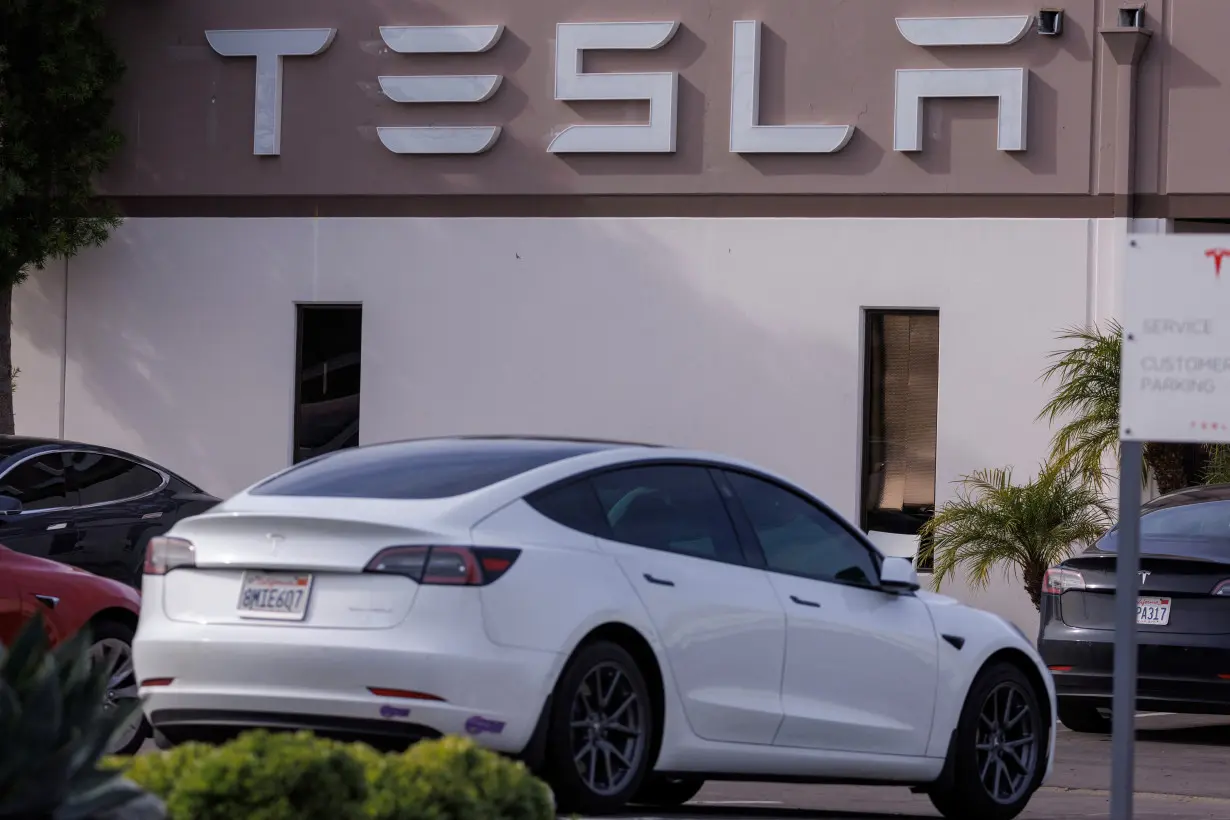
(69, 599)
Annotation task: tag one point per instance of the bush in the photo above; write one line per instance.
(261, 776)
(454, 779)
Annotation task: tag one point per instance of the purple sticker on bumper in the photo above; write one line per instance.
(387, 711)
(477, 725)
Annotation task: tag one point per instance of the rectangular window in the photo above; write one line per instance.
(901, 359)
(327, 364)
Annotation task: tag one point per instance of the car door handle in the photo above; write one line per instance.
(59, 526)
(151, 515)
(662, 582)
(804, 602)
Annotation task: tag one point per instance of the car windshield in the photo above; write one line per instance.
(419, 469)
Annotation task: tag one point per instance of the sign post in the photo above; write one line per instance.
(1175, 387)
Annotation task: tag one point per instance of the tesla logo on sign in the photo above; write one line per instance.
(1217, 254)
(660, 89)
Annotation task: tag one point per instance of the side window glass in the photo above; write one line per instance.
(572, 505)
(798, 537)
(99, 479)
(667, 507)
(38, 483)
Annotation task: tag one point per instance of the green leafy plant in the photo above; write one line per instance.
(57, 73)
(1217, 470)
(1086, 399)
(260, 776)
(454, 779)
(993, 523)
(55, 731)
(1087, 396)
(299, 777)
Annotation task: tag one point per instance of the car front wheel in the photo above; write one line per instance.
(601, 731)
(1000, 748)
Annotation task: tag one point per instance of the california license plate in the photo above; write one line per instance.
(278, 596)
(1153, 611)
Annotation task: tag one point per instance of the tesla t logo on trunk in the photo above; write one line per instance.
(1144, 576)
(275, 541)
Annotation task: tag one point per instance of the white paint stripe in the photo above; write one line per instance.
(1153, 714)
(734, 803)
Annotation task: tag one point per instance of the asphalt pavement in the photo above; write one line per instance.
(1182, 773)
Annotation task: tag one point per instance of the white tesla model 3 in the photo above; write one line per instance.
(631, 620)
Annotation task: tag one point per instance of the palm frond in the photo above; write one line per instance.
(1086, 400)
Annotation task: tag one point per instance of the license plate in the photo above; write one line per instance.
(278, 596)
(1153, 611)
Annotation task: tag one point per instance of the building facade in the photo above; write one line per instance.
(839, 239)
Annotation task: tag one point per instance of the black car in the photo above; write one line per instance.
(89, 506)
(1182, 614)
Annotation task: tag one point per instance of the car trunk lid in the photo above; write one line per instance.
(1188, 583)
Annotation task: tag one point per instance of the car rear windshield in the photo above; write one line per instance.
(1194, 530)
(439, 468)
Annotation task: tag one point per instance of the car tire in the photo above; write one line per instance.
(668, 792)
(1083, 718)
(992, 715)
(106, 635)
(601, 731)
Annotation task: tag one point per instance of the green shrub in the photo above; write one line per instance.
(160, 773)
(453, 779)
(263, 776)
(55, 730)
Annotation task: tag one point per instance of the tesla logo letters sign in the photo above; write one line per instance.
(748, 135)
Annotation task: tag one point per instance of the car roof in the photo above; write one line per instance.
(1189, 495)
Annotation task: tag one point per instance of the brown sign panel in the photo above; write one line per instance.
(195, 127)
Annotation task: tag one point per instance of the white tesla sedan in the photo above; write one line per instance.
(631, 620)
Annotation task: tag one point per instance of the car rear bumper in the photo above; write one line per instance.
(225, 678)
(1175, 672)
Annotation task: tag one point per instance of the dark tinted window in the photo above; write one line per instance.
(329, 364)
(100, 478)
(38, 483)
(798, 537)
(1210, 519)
(667, 507)
(418, 469)
(574, 505)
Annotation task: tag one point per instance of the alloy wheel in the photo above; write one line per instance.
(607, 728)
(115, 656)
(1007, 743)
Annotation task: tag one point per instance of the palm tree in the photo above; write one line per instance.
(1088, 397)
(995, 523)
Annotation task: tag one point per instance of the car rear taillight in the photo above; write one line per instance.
(164, 554)
(1057, 581)
(451, 566)
(1223, 588)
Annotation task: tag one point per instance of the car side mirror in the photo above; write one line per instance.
(898, 576)
(9, 505)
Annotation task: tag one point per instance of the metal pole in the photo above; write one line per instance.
(1127, 586)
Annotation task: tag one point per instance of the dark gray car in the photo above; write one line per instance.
(1182, 614)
